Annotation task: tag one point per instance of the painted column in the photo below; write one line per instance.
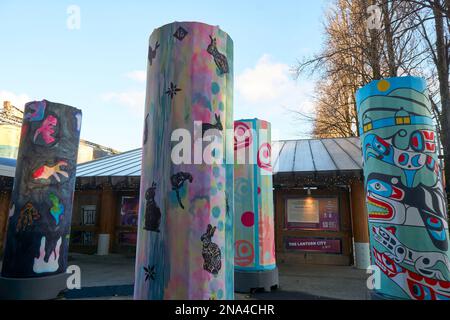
(360, 225)
(185, 233)
(405, 198)
(41, 203)
(254, 259)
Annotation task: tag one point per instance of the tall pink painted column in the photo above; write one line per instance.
(185, 233)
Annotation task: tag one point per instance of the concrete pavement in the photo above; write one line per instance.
(112, 277)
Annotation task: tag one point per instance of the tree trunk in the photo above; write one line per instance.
(373, 45)
(442, 66)
(389, 39)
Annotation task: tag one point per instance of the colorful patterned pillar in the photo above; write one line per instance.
(254, 258)
(40, 213)
(185, 234)
(404, 192)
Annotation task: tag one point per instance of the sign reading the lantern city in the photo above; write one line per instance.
(314, 245)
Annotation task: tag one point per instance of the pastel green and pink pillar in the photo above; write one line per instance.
(255, 265)
(185, 234)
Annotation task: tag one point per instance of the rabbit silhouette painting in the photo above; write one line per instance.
(152, 211)
(209, 126)
(220, 59)
(211, 252)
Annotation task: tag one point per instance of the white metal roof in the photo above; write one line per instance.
(296, 156)
(316, 155)
(119, 165)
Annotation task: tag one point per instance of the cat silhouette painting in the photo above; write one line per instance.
(152, 211)
(177, 181)
(211, 252)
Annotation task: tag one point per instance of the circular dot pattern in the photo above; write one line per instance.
(248, 219)
(216, 212)
(215, 88)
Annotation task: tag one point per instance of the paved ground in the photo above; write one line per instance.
(334, 282)
(107, 270)
(112, 277)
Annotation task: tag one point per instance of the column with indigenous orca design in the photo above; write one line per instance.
(405, 199)
(185, 233)
(40, 215)
(254, 258)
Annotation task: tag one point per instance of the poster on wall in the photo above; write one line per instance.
(311, 213)
(128, 218)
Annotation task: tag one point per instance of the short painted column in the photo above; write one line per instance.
(404, 191)
(40, 216)
(185, 229)
(255, 266)
(360, 225)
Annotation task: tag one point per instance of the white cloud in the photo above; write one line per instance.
(268, 91)
(17, 100)
(133, 99)
(266, 80)
(137, 75)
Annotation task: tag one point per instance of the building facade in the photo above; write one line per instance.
(320, 216)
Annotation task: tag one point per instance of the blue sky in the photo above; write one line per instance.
(100, 67)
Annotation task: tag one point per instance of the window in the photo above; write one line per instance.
(403, 120)
(84, 235)
(87, 239)
(368, 127)
(128, 220)
(88, 215)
